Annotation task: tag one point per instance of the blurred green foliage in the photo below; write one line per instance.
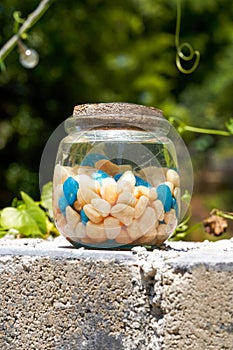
(104, 51)
(27, 218)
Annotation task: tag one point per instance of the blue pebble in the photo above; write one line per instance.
(84, 218)
(165, 195)
(62, 204)
(99, 175)
(92, 158)
(70, 189)
(117, 176)
(173, 202)
(141, 182)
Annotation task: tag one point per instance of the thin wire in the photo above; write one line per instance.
(179, 47)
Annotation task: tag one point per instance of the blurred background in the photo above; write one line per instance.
(124, 50)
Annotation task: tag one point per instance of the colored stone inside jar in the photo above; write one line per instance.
(102, 204)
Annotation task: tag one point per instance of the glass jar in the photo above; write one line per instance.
(119, 177)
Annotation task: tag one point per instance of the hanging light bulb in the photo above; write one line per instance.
(28, 57)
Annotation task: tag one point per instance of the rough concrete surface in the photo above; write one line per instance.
(55, 297)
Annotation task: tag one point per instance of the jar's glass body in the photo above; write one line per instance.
(117, 183)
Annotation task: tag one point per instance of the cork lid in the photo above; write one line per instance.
(116, 114)
(121, 108)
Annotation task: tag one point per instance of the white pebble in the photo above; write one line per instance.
(96, 232)
(88, 195)
(152, 194)
(123, 237)
(124, 186)
(170, 216)
(92, 214)
(177, 193)
(141, 206)
(171, 220)
(141, 191)
(123, 212)
(162, 233)
(72, 217)
(102, 206)
(134, 230)
(108, 190)
(86, 182)
(68, 231)
(127, 198)
(173, 177)
(157, 205)
(129, 177)
(80, 230)
(80, 198)
(112, 227)
(148, 220)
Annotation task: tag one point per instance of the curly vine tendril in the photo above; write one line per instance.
(179, 47)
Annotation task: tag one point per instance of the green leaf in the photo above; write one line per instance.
(16, 203)
(20, 220)
(51, 228)
(229, 125)
(46, 197)
(33, 209)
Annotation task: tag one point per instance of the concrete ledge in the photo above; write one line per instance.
(56, 297)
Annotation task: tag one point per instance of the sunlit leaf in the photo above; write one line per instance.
(20, 220)
(46, 197)
(33, 209)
